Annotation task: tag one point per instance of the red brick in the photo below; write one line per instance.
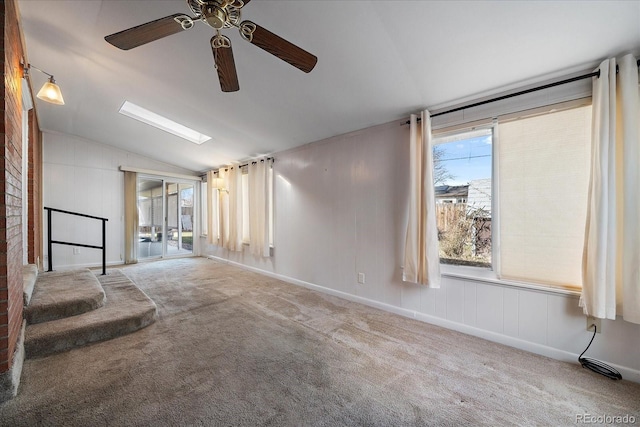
(11, 239)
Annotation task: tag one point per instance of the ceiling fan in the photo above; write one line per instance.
(218, 14)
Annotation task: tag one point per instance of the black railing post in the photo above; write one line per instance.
(104, 247)
(50, 257)
(50, 241)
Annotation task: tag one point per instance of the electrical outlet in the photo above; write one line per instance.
(594, 321)
(76, 251)
(361, 278)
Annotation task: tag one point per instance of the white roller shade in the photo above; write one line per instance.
(544, 178)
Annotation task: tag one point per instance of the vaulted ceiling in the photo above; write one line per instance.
(377, 61)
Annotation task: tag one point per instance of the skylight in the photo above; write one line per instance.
(134, 111)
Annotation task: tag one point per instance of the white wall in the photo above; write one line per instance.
(83, 176)
(340, 209)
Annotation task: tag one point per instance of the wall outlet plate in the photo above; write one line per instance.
(361, 278)
(594, 321)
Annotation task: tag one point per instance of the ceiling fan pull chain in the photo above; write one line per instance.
(247, 28)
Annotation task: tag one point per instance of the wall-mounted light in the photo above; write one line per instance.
(50, 91)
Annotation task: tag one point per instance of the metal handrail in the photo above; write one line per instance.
(59, 242)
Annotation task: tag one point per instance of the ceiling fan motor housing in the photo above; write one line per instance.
(214, 15)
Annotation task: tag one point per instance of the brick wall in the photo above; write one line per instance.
(34, 227)
(10, 186)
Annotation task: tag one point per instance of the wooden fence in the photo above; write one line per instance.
(476, 229)
(448, 214)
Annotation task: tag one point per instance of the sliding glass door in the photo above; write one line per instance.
(150, 218)
(165, 217)
(180, 218)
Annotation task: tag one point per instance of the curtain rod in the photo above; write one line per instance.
(160, 173)
(273, 160)
(522, 92)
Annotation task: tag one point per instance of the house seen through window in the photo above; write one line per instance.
(462, 179)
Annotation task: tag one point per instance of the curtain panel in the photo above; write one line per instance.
(421, 257)
(223, 209)
(258, 208)
(234, 220)
(611, 258)
(131, 219)
(212, 205)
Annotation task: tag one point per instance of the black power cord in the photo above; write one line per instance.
(596, 365)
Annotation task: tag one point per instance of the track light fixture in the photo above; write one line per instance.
(50, 91)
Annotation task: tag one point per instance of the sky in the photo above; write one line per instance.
(467, 159)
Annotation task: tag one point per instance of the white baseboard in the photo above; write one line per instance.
(543, 350)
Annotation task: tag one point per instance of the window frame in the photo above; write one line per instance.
(483, 274)
(485, 125)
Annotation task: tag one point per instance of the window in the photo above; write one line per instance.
(220, 215)
(462, 178)
(534, 204)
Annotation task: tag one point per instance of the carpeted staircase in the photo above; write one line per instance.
(69, 309)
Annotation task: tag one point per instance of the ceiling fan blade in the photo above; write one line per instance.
(151, 31)
(226, 66)
(278, 46)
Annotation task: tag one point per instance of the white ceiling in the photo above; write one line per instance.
(377, 61)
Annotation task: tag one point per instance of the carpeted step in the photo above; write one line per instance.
(60, 294)
(29, 276)
(127, 309)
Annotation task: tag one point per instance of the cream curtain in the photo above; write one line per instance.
(234, 223)
(212, 205)
(258, 208)
(611, 261)
(421, 259)
(130, 218)
(224, 209)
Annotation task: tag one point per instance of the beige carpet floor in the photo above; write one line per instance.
(234, 348)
